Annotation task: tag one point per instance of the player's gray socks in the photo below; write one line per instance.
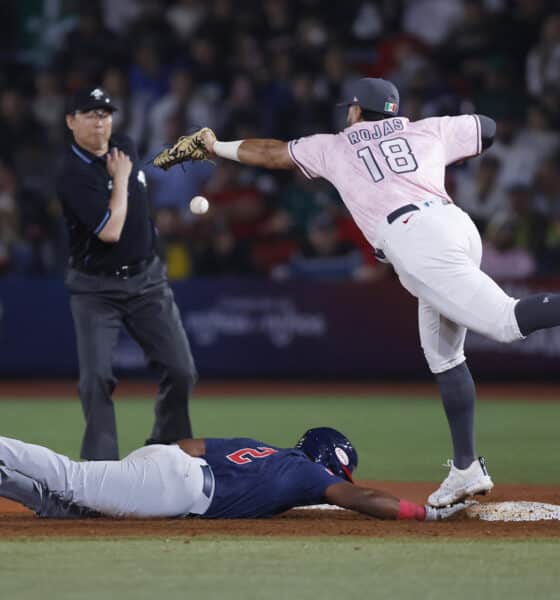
(539, 311)
(457, 391)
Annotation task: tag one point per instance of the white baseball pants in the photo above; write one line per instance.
(436, 253)
(154, 481)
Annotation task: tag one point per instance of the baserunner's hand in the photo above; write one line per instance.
(445, 512)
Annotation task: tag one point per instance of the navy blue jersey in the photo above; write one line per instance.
(254, 479)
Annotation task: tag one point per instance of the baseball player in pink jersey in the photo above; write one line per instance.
(390, 174)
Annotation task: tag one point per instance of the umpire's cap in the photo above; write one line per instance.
(330, 448)
(90, 99)
(378, 95)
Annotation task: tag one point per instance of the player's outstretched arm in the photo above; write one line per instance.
(267, 153)
(383, 505)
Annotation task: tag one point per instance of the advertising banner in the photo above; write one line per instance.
(246, 328)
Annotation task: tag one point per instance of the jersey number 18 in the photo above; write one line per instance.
(398, 156)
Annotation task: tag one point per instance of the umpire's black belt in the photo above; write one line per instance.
(122, 272)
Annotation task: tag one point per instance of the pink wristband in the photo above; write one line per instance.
(409, 510)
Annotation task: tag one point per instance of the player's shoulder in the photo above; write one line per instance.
(441, 121)
(433, 126)
(310, 472)
(71, 166)
(316, 139)
(429, 123)
(234, 444)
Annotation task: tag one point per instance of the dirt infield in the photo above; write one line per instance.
(16, 522)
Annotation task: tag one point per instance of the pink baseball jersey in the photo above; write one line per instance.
(378, 166)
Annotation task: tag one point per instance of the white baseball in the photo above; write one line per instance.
(199, 205)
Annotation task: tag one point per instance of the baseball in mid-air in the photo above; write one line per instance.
(199, 205)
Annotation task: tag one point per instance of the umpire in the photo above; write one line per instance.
(115, 278)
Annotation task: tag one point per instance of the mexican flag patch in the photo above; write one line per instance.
(390, 107)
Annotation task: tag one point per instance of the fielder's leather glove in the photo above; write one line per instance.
(444, 512)
(187, 147)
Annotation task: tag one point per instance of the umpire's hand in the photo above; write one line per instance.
(119, 164)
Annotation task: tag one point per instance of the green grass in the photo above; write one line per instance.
(301, 569)
(397, 438)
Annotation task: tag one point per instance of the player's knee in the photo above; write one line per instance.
(440, 364)
(502, 335)
(505, 328)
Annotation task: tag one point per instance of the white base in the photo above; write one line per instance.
(514, 511)
(492, 511)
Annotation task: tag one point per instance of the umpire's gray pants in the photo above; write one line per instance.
(144, 304)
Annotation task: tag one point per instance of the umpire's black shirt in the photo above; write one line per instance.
(84, 188)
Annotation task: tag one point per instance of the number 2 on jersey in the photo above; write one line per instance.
(245, 455)
(398, 156)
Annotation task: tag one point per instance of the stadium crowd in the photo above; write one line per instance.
(274, 68)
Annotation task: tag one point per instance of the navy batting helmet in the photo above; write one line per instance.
(330, 448)
(378, 95)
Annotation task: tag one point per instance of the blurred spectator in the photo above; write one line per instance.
(207, 66)
(313, 115)
(297, 204)
(501, 258)
(48, 105)
(175, 188)
(521, 24)
(16, 124)
(543, 62)
(118, 16)
(472, 41)
(239, 107)
(431, 20)
(499, 81)
(129, 119)
(480, 195)
(89, 46)
(147, 75)
(275, 69)
(237, 202)
(218, 23)
(172, 242)
(184, 17)
(223, 254)
(185, 104)
(522, 149)
(522, 215)
(324, 255)
(368, 22)
(548, 202)
(153, 29)
(9, 219)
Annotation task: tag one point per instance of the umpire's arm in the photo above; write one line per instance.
(119, 167)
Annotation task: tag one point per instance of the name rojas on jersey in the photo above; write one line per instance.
(375, 130)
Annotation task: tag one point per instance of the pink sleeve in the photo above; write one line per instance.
(460, 137)
(309, 154)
